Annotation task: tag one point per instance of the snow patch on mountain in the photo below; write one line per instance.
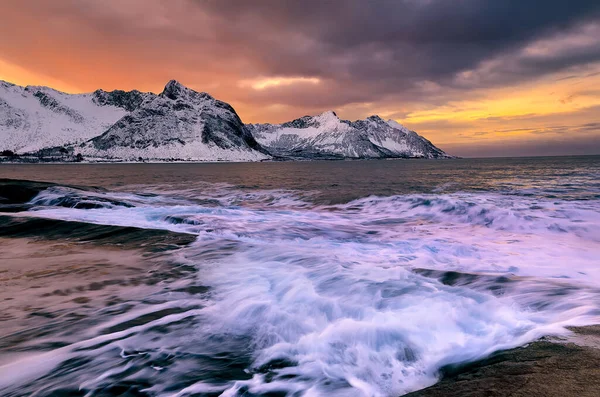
(32, 117)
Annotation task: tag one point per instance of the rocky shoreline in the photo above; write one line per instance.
(546, 368)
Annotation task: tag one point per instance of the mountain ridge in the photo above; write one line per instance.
(328, 136)
(182, 124)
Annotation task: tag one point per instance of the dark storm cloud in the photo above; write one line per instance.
(393, 44)
(363, 51)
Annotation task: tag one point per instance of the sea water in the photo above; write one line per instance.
(360, 278)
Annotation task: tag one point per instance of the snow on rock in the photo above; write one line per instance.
(184, 125)
(177, 124)
(326, 136)
(32, 118)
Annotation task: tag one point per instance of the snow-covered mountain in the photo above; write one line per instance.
(32, 118)
(178, 123)
(326, 136)
(182, 124)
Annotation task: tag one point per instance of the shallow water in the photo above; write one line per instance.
(320, 278)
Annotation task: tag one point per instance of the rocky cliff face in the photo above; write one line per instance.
(179, 123)
(128, 100)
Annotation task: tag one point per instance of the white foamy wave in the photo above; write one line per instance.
(499, 212)
(347, 320)
(356, 299)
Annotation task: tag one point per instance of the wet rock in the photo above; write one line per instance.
(544, 368)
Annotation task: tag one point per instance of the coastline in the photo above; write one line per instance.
(214, 161)
(548, 367)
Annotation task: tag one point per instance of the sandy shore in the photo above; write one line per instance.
(546, 368)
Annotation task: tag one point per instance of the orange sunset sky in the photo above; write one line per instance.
(477, 78)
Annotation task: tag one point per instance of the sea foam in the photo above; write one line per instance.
(367, 298)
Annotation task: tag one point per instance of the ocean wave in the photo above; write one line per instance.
(367, 298)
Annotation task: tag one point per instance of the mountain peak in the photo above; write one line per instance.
(174, 90)
(174, 83)
(375, 118)
(330, 114)
(327, 119)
